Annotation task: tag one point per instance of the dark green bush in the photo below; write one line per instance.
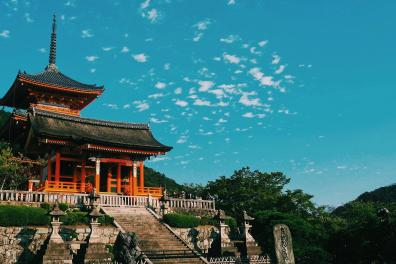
(63, 206)
(181, 220)
(75, 218)
(106, 220)
(11, 215)
(46, 206)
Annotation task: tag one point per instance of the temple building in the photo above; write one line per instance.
(80, 153)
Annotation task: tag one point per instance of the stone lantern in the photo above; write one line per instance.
(93, 199)
(227, 247)
(56, 213)
(252, 247)
(164, 203)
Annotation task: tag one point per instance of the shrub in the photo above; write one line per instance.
(106, 220)
(46, 206)
(181, 220)
(11, 215)
(63, 206)
(75, 218)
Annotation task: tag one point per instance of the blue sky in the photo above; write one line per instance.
(302, 87)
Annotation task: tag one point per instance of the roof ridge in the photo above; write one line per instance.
(90, 120)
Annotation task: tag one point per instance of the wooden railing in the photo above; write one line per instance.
(153, 191)
(106, 200)
(62, 186)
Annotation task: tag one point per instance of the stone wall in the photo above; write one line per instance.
(19, 242)
(23, 244)
(200, 237)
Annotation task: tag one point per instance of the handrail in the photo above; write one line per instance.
(179, 237)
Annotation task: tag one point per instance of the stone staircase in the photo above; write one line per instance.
(155, 240)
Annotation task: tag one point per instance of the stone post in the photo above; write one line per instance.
(164, 204)
(226, 246)
(252, 248)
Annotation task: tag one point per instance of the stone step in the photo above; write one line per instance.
(153, 236)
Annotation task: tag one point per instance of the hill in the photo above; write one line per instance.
(385, 194)
(153, 178)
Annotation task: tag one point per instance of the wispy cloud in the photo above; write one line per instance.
(231, 58)
(5, 34)
(141, 57)
(86, 33)
(91, 58)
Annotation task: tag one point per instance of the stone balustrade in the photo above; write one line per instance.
(106, 200)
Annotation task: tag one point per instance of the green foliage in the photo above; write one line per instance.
(385, 194)
(63, 206)
(106, 220)
(247, 190)
(364, 237)
(75, 218)
(4, 116)
(153, 178)
(181, 220)
(22, 216)
(46, 206)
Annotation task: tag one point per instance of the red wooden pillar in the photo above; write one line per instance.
(131, 186)
(119, 178)
(109, 176)
(83, 173)
(141, 173)
(97, 175)
(57, 167)
(49, 170)
(135, 189)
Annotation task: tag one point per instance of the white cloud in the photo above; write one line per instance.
(182, 139)
(178, 90)
(86, 33)
(231, 58)
(197, 37)
(157, 121)
(42, 50)
(156, 95)
(152, 15)
(141, 57)
(5, 34)
(141, 105)
(202, 25)
(160, 85)
(167, 66)
(280, 69)
(275, 59)
(145, 4)
(125, 49)
(107, 48)
(112, 106)
(205, 85)
(249, 102)
(93, 70)
(263, 43)
(231, 2)
(200, 102)
(230, 39)
(91, 58)
(181, 103)
(248, 115)
(259, 76)
(28, 18)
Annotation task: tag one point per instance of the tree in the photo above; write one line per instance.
(247, 190)
(15, 169)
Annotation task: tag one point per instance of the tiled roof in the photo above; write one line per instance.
(92, 131)
(58, 78)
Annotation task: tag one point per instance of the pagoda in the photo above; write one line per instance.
(80, 153)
